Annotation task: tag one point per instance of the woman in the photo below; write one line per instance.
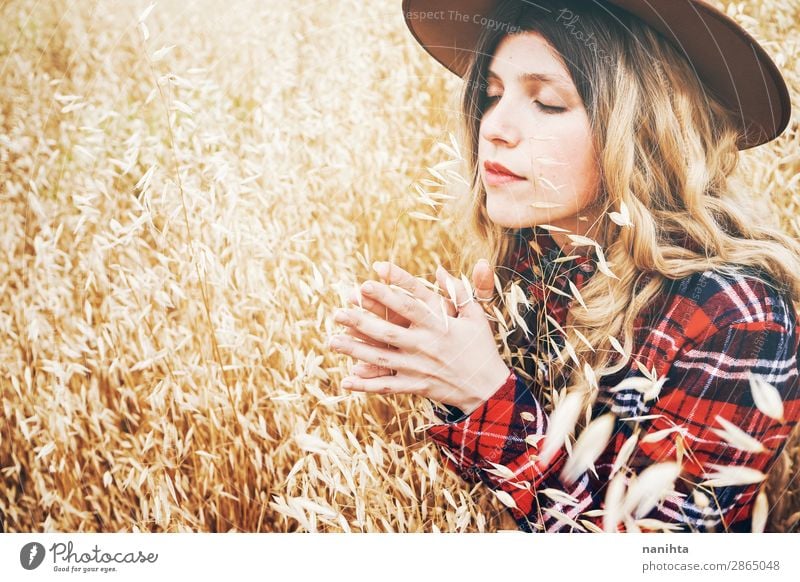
(659, 381)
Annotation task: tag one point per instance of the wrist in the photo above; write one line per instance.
(494, 378)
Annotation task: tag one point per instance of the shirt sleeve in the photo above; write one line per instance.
(708, 378)
(505, 431)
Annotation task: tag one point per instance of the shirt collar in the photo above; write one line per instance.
(536, 260)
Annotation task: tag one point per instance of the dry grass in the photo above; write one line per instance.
(179, 225)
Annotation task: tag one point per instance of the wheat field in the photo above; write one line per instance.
(189, 192)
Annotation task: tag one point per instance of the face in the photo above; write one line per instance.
(535, 126)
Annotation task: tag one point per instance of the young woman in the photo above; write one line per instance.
(652, 380)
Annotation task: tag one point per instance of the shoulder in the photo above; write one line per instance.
(736, 323)
(706, 302)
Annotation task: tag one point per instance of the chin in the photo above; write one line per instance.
(509, 217)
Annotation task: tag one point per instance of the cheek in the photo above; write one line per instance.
(581, 169)
(483, 147)
(591, 174)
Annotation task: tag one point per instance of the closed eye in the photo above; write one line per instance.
(492, 99)
(550, 108)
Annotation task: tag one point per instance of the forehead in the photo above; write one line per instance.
(528, 55)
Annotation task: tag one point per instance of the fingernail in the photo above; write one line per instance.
(347, 384)
(368, 287)
(381, 268)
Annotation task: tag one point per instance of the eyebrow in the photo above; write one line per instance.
(537, 77)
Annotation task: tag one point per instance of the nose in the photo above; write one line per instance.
(499, 126)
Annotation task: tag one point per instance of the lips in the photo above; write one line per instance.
(496, 168)
(496, 174)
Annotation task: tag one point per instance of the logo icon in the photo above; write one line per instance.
(31, 555)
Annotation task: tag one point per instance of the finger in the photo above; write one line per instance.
(380, 357)
(381, 385)
(483, 279)
(378, 309)
(394, 275)
(360, 336)
(364, 370)
(410, 307)
(441, 280)
(379, 330)
(464, 301)
(453, 287)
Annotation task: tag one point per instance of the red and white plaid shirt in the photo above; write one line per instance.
(709, 330)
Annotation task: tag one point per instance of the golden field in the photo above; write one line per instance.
(187, 197)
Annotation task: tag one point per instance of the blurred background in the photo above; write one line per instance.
(189, 190)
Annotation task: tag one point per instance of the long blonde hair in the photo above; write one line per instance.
(667, 149)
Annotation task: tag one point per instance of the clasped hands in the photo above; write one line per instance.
(406, 344)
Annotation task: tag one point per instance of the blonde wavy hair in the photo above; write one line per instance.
(667, 149)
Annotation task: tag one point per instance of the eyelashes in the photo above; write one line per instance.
(550, 108)
(492, 99)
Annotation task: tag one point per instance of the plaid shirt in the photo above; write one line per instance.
(706, 333)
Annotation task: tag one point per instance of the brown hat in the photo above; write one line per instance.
(728, 60)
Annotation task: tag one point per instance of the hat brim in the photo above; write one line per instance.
(728, 60)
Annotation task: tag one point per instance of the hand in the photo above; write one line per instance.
(450, 358)
(482, 281)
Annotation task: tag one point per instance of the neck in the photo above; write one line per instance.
(587, 228)
(567, 247)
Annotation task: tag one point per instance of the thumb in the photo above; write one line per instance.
(483, 279)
